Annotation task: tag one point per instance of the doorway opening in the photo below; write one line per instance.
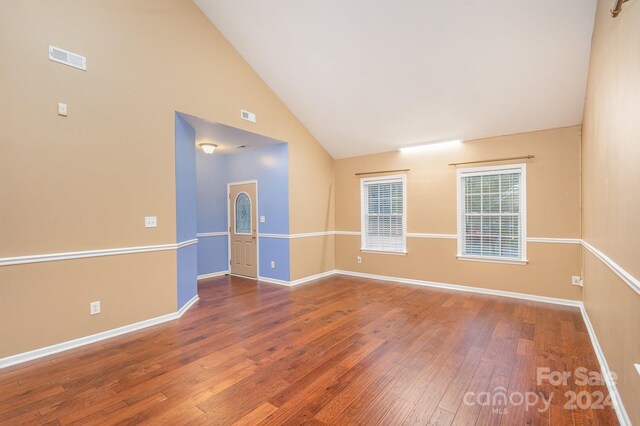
(204, 182)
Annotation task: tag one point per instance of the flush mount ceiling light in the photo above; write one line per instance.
(207, 147)
(430, 145)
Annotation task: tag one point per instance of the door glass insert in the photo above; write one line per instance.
(243, 214)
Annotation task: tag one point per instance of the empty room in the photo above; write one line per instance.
(243, 212)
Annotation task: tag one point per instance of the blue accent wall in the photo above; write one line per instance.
(186, 210)
(269, 166)
(211, 171)
(187, 273)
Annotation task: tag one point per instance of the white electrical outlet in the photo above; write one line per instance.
(576, 280)
(637, 367)
(273, 264)
(150, 222)
(359, 258)
(263, 219)
(62, 109)
(94, 308)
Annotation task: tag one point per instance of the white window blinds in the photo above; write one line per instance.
(492, 213)
(383, 214)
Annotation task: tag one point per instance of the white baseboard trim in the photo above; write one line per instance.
(274, 281)
(86, 340)
(212, 275)
(299, 280)
(469, 289)
(188, 305)
(623, 417)
(313, 277)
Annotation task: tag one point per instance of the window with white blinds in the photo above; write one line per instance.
(384, 214)
(492, 214)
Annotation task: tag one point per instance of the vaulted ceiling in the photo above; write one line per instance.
(368, 76)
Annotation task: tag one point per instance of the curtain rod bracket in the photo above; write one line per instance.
(617, 8)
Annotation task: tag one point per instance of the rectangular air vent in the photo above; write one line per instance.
(68, 58)
(246, 115)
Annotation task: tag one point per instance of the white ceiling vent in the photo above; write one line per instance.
(68, 58)
(246, 115)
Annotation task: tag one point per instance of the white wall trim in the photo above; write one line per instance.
(554, 240)
(86, 340)
(623, 417)
(302, 235)
(469, 289)
(212, 275)
(51, 257)
(187, 243)
(281, 236)
(354, 233)
(626, 276)
(212, 234)
(312, 234)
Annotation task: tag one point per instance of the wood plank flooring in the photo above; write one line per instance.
(339, 350)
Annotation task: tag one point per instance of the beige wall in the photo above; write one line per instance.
(312, 255)
(611, 193)
(47, 303)
(553, 211)
(86, 181)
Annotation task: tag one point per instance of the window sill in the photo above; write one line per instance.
(493, 260)
(393, 253)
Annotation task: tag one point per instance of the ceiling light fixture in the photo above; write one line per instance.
(208, 148)
(430, 145)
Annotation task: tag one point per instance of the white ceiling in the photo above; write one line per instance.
(229, 139)
(368, 76)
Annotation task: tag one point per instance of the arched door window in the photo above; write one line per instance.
(243, 214)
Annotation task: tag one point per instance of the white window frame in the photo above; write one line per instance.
(363, 207)
(478, 171)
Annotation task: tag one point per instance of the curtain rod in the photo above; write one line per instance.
(617, 8)
(382, 171)
(523, 157)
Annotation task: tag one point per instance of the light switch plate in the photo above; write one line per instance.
(62, 109)
(150, 222)
(263, 219)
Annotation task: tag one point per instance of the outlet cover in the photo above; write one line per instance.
(359, 259)
(150, 222)
(62, 109)
(94, 308)
(273, 264)
(576, 280)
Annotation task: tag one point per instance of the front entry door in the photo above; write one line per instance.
(242, 230)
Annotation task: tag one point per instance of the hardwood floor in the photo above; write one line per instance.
(339, 350)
